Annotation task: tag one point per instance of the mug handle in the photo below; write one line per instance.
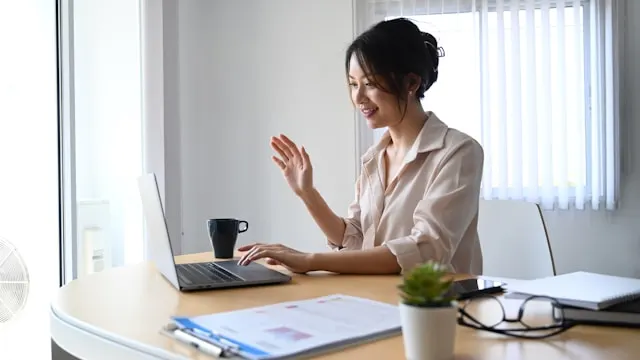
(240, 228)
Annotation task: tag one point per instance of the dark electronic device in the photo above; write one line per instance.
(469, 288)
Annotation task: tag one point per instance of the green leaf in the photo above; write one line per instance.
(426, 285)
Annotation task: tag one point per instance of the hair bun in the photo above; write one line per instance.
(432, 44)
(394, 49)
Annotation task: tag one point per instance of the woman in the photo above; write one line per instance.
(417, 195)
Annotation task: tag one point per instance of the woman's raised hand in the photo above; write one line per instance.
(294, 163)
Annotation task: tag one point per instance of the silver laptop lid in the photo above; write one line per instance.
(159, 244)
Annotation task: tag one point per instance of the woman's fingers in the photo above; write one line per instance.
(306, 162)
(279, 162)
(250, 249)
(283, 147)
(290, 145)
(257, 251)
(277, 145)
(288, 150)
(246, 258)
(287, 141)
(258, 254)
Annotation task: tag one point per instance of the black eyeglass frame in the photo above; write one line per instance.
(523, 333)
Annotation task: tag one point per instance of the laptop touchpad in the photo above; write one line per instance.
(253, 271)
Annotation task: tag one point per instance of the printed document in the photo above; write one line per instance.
(301, 326)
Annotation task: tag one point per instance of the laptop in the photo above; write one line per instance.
(195, 276)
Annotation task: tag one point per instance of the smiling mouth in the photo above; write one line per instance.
(369, 112)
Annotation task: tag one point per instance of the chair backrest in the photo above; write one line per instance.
(514, 240)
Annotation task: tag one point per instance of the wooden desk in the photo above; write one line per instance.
(119, 312)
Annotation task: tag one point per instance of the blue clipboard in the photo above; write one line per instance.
(205, 333)
(205, 341)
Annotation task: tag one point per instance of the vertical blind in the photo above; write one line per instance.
(535, 82)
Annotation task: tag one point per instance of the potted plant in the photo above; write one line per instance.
(428, 313)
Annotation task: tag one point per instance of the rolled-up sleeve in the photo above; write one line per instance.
(352, 238)
(447, 209)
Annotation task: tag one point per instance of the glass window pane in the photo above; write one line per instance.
(108, 137)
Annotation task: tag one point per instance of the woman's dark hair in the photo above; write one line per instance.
(393, 49)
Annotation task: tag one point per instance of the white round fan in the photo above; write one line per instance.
(14, 282)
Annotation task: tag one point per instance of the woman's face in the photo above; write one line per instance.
(380, 108)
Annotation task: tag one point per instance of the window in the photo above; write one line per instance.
(534, 83)
(101, 135)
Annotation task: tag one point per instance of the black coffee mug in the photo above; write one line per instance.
(223, 234)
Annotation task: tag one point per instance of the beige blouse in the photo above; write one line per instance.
(430, 209)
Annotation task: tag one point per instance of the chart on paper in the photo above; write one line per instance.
(292, 327)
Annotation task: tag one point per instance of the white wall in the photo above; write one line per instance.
(251, 69)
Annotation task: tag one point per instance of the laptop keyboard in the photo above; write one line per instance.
(205, 273)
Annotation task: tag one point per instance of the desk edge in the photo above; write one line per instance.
(59, 318)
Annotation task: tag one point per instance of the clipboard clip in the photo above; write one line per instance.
(201, 341)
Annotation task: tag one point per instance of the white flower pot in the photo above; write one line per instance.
(428, 333)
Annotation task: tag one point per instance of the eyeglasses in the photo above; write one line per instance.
(538, 317)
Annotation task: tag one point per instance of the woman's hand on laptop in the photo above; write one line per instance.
(276, 254)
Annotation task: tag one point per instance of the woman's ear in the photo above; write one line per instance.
(412, 83)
